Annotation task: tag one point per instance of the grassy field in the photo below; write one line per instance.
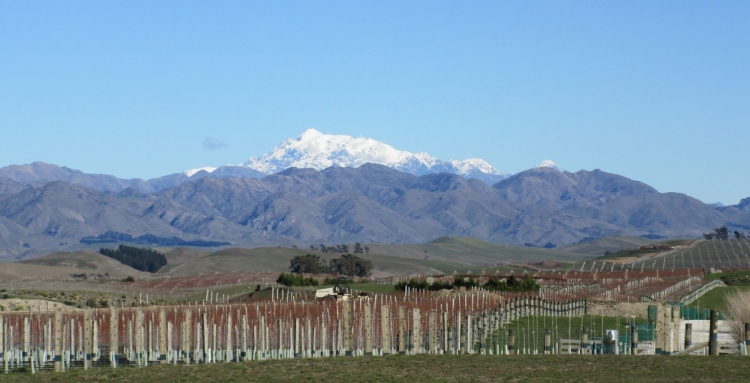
(472, 251)
(612, 244)
(425, 368)
(716, 298)
(530, 330)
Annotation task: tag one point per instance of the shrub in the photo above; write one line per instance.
(296, 280)
(738, 309)
(129, 279)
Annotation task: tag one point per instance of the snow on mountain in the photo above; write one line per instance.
(316, 150)
(191, 172)
(549, 164)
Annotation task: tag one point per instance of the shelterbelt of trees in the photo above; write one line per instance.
(347, 264)
(492, 284)
(140, 259)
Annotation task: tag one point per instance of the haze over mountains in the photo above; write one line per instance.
(342, 196)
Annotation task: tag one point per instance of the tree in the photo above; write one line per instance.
(367, 250)
(357, 248)
(309, 263)
(351, 265)
(738, 235)
(721, 233)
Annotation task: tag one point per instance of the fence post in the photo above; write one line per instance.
(445, 332)
(348, 328)
(688, 335)
(747, 338)
(676, 328)
(114, 336)
(385, 327)
(416, 341)
(368, 328)
(228, 342)
(58, 339)
(511, 343)
(206, 343)
(402, 329)
(163, 336)
(433, 331)
(584, 341)
(713, 333)
(26, 351)
(281, 338)
(244, 351)
(633, 339)
(547, 342)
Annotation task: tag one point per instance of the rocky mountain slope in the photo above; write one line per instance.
(371, 203)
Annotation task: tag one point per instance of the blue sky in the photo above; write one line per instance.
(655, 91)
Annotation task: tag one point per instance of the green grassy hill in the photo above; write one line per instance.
(612, 244)
(83, 262)
(475, 252)
(277, 259)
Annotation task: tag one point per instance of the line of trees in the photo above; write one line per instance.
(493, 284)
(138, 258)
(723, 233)
(347, 264)
(340, 248)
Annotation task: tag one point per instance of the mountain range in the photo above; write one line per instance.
(404, 198)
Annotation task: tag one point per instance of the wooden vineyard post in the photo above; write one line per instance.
(402, 329)
(633, 339)
(385, 329)
(445, 332)
(469, 336)
(187, 334)
(26, 356)
(511, 343)
(139, 337)
(114, 340)
(170, 354)
(228, 343)
(688, 335)
(163, 336)
(675, 328)
(281, 338)
(584, 341)
(94, 338)
(87, 332)
(713, 335)
(58, 339)
(416, 343)
(348, 328)
(310, 340)
(263, 330)
(206, 349)
(433, 331)
(296, 351)
(245, 354)
(368, 328)
(461, 334)
(547, 342)
(2, 340)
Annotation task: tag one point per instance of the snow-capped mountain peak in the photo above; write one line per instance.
(316, 150)
(549, 164)
(191, 172)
